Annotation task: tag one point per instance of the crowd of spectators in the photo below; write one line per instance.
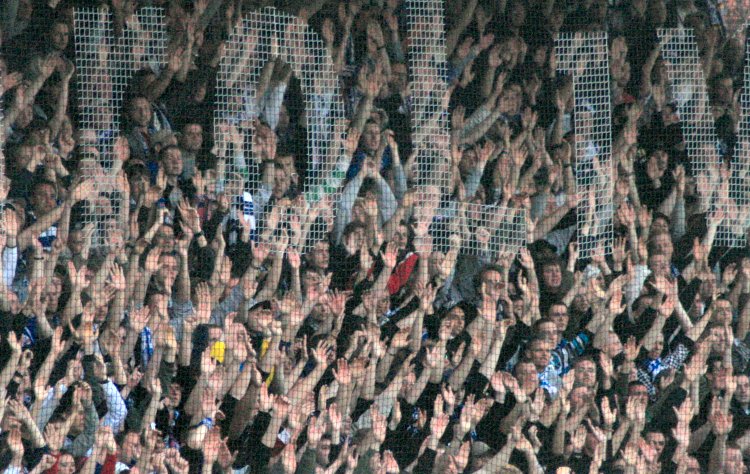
(169, 335)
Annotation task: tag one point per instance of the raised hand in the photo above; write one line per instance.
(390, 256)
(320, 353)
(608, 413)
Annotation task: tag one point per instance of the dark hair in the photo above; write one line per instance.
(368, 185)
(556, 303)
(133, 98)
(634, 383)
(42, 182)
(584, 358)
(711, 363)
(485, 269)
(540, 321)
(352, 227)
(137, 86)
(535, 339)
(550, 260)
(661, 215)
(284, 150)
(164, 150)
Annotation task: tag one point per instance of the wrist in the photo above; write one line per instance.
(207, 421)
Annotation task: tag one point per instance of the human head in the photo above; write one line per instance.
(658, 263)
(742, 393)
(139, 111)
(130, 447)
(402, 235)
(310, 278)
(527, 376)
(659, 223)
(21, 156)
(552, 273)
(733, 461)
(612, 344)
(517, 14)
(171, 161)
(318, 257)
(723, 89)
(722, 313)
(370, 140)
(66, 464)
(286, 161)
(717, 373)
(538, 352)
(579, 397)
(558, 312)
(585, 372)
(281, 181)
(547, 328)
(453, 321)
(468, 161)
(656, 440)
(43, 197)
(164, 238)
(168, 269)
(192, 137)
(656, 12)
(489, 282)
(637, 389)
(59, 35)
(353, 236)
(399, 77)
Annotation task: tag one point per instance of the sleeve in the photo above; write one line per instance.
(271, 104)
(679, 220)
(9, 16)
(251, 452)
(49, 404)
(395, 52)
(116, 409)
(473, 180)
(344, 211)
(387, 203)
(399, 181)
(167, 373)
(227, 306)
(10, 263)
(645, 378)
(177, 315)
(455, 70)
(110, 462)
(84, 441)
(475, 119)
(210, 227)
(564, 356)
(675, 358)
(260, 199)
(363, 465)
(308, 461)
(211, 11)
(426, 462)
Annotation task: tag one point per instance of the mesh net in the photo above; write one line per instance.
(396, 236)
(689, 98)
(253, 78)
(105, 66)
(427, 65)
(2, 133)
(585, 56)
(736, 186)
(483, 230)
